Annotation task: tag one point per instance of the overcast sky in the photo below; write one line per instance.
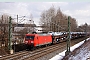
(78, 10)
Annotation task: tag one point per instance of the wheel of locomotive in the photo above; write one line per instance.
(32, 47)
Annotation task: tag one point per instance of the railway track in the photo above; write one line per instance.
(44, 52)
(9, 56)
(40, 54)
(52, 49)
(31, 55)
(26, 54)
(35, 54)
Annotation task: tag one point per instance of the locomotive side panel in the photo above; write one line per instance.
(36, 41)
(49, 39)
(44, 40)
(41, 40)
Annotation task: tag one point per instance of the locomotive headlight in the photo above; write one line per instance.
(31, 41)
(26, 42)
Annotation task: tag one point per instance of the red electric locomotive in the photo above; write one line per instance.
(33, 40)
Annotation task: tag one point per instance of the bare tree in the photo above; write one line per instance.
(46, 18)
(84, 28)
(3, 29)
(4, 19)
(60, 20)
(73, 24)
(56, 20)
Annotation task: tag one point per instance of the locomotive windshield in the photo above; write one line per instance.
(30, 37)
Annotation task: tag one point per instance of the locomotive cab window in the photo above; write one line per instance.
(30, 37)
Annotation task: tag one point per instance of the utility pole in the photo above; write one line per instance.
(17, 19)
(85, 31)
(33, 26)
(68, 40)
(10, 36)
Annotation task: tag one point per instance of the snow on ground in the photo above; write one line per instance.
(62, 54)
(83, 55)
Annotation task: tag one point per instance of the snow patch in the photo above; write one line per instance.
(76, 45)
(83, 55)
(59, 56)
(62, 54)
(88, 39)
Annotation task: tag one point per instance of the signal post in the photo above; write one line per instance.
(10, 36)
(68, 40)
